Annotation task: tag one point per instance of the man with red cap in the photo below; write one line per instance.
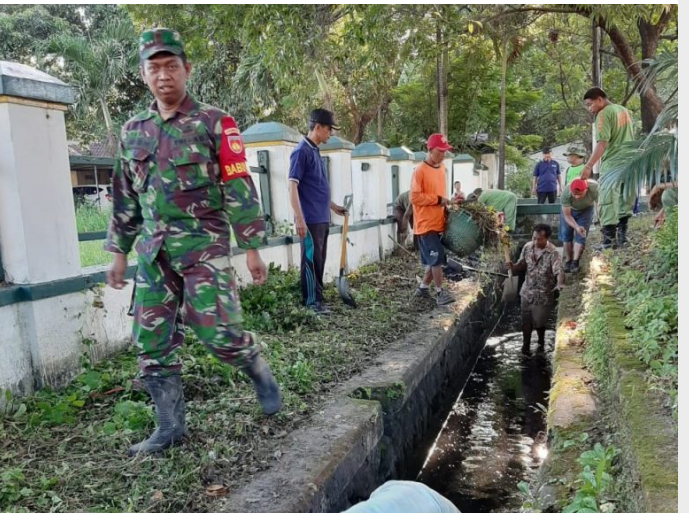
(577, 213)
(429, 199)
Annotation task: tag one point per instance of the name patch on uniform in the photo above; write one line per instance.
(232, 157)
(134, 142)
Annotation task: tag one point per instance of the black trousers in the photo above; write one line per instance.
(543, 195)
(314, 247)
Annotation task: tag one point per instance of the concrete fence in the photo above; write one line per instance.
(49, 305)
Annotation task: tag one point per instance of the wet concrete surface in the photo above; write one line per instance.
(494, 436)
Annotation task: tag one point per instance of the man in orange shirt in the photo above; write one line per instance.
(428, 199)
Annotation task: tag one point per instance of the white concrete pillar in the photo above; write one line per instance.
(403, 158)
(278, 140)
(370, 181)
(38, 232)
(463, 171)
(339, 154)
(489, 180)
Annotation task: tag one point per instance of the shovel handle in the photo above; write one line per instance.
(343, 247)
(508, 258)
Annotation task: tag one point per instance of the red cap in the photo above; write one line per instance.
(438, 141)
(578, 185)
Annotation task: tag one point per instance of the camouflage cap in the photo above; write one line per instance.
(153, 41)
(575, 150)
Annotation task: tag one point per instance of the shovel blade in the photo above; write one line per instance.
(343, 291)
(509, 289)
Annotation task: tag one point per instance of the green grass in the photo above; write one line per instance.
(92, 253)
(90, 219)
(63, 451)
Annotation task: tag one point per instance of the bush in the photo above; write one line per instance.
(276, 305)
(519, 182)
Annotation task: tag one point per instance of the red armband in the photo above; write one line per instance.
(231, 159)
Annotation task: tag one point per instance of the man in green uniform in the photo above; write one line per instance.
(575, 158)
(575, 220)
(179, 182)
(501, 201)
(613, 128)
(403, 216)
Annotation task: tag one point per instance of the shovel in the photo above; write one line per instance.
(452, 263)
(342, 285)
(511, 284)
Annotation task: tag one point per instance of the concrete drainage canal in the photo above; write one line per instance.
(454, 405)
(495, 434)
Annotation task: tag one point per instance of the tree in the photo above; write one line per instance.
(649, 25)
(25, 31)
(98, 64)
(646, 161)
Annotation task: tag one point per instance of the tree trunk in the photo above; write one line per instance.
(503, 109)
(360, 124)
(441, 81)
(111, 140)
(595, 56)
(651, 104)
(379, 130)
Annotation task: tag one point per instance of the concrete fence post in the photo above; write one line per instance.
(38, 234)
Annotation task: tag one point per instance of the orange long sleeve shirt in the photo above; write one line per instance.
(427, 185)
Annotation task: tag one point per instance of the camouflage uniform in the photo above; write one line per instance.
(178, 184)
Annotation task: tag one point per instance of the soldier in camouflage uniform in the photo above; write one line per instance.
(180, 181)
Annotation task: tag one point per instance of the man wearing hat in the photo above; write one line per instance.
(179, 183)
(429, 199)
(575, 158)
(577, 213)
(309, 194)
(546, 182)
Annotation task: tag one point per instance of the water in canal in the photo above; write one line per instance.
(494, 435)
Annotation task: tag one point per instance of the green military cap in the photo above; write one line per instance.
(575, 150)
(153, 41)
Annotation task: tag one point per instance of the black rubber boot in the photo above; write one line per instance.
(265, 385)
(169, 408)
(527, 329)
(608, 232)
(541, 336)
(622, 231)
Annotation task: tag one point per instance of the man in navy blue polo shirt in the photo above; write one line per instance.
(309, 194)
(546, 179)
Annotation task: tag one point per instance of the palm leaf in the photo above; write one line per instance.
(643, 162)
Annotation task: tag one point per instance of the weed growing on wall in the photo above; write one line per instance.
(595, 482)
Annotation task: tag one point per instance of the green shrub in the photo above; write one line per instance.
(276, 305)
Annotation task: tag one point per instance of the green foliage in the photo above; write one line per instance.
(42, 35)
(275, 305)
(650, 297)
(647, 160)
(596, 334)
(594, 482)
(519, 182)
(12, 486)
(129, 416)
